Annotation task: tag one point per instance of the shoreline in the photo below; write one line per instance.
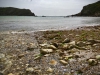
(53, 52)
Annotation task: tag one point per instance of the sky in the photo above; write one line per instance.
(48, 7)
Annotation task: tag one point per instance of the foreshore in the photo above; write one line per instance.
(55, 52)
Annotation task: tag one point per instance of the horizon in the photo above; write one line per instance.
(48, 8)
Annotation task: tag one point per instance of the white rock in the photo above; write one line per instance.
(65, 46)
(98, 57)
(2, 55)
(72, 43)
(30, 69)
(52, 47)
(10, 74)
(46, 51)
(50, 70)
(92, 62)
(63, 62)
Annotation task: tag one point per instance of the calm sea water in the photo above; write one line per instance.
(30, 23)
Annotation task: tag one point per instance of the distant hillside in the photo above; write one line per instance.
(90, 10)
(11, 11)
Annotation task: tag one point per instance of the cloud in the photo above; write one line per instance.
(48, 7)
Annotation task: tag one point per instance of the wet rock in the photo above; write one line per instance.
(46, 51)
(30, 69)
(63, 62)
(92, 62)
(98, 57)
(50, 70)
(67, 40)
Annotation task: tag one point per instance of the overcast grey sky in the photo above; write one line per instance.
(48, 7)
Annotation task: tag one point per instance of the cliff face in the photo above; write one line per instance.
(90, 10)
(10, 11)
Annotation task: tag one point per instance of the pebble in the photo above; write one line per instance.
(63, 62)
(10, 74)
(50, 70)
(30, 69)
(92, 62)
(67, 40)
(53, 62)
(98, 57)
(46, 51)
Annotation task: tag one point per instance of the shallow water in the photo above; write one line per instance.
(30, 23)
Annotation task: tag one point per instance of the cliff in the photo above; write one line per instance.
(11, 11)
(90, 10)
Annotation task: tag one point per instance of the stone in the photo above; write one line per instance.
(92, 62)
(10, 74)
(52, 47)
(31, 46)
(2, 57)
(50, 70)
(30, 69)
(46, 51)
(67, 40)
(46, 55)
(63, 62)
(68, 46)
(98, 57)
(53, 62)
(42, 45)
(38, 56)
(65, 46)
(72, 43)
(1, 74)
(55, 44)
(80, 48)
(21, 55)
(92, 41)
(81, 44)
(66, 58)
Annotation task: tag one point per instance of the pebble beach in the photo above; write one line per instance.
(53, 52)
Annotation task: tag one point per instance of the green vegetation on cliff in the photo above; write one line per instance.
(90, 10)
(10, 11)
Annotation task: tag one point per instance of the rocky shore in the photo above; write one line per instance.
(61, 52)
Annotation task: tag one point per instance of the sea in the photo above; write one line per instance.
(30, 23)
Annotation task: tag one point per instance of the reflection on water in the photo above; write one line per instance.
(45, 23)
